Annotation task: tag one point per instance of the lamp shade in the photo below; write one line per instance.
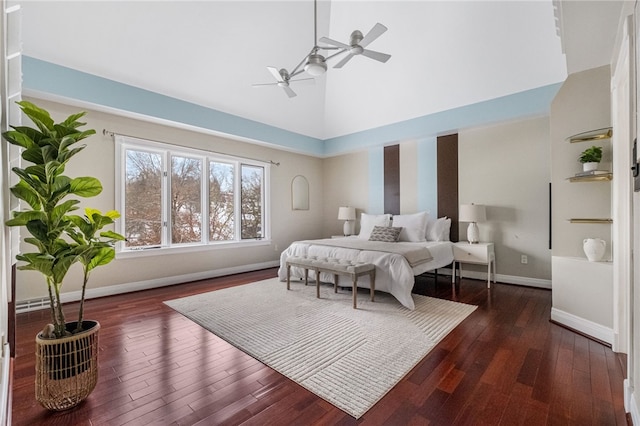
(472, 213)
(347, 213)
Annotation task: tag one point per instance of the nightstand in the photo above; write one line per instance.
(479, 254)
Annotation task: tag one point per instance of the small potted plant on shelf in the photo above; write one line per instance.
(66, 352)
(590, 158)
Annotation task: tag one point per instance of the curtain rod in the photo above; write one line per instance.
(112, 134)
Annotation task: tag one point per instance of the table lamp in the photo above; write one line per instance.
(472, 213)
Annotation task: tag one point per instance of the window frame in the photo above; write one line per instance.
(166, 151)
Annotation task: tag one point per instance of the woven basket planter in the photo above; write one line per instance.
(67, 368)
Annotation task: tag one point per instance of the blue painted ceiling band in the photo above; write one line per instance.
(46, 77)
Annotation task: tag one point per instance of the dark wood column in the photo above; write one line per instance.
(448, 181)
(392, 179)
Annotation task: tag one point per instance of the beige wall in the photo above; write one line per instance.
(506, 167)
(582, 104)
(98, 160)
(346, 183)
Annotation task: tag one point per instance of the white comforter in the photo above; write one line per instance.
(393, 273)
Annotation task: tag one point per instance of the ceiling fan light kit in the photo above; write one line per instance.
(315, 64)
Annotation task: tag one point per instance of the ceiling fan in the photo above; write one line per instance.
(282, 80)
(315, 63)
(358, 43)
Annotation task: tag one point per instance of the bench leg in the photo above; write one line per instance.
(288, 277)
(335, 283)
(317, 283)
(306, 275)
(372, 278)
(355, 291)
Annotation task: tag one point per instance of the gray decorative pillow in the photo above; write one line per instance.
(388, 234)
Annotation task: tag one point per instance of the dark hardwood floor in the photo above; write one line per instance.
(505, 364)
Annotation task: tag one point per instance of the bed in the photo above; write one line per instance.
(394, 273)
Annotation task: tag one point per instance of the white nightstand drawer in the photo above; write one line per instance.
(471, 253)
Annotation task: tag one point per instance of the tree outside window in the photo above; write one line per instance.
(164, 208)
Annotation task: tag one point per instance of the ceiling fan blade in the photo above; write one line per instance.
(276, 73)
(264, 84)
(332, 42)
(289, 91)
(304, 81)
(377, 30)
(382, 57)
(343, 61)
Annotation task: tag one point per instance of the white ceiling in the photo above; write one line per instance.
(445, 54)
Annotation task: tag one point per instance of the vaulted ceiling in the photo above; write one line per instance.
(445, 54)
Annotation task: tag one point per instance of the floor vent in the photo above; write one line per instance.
(32, 305)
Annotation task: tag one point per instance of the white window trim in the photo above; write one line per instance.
(166, 149)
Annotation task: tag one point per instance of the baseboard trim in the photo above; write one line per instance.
(92, 293)
(630, 405)
(589, 328)
(509, 279)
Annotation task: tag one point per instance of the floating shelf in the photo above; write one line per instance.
(592, 135)
(591, 220)
(592, 178)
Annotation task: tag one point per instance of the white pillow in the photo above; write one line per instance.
(414, 226)
(368, 221)
(439, 229)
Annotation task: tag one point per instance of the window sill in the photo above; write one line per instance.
(183, 249)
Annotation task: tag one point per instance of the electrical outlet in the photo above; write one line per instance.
(275, 247)
(523, 259)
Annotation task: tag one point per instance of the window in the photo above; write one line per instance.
(174, 197)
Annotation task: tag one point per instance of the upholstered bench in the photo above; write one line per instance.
(336, 267)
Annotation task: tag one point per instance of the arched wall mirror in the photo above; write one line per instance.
(300, 193)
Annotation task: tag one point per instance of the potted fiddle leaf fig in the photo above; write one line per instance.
(66, 352)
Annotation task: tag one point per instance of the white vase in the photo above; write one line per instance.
(594, 248)
(587, 167)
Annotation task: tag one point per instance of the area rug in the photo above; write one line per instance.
(349, 357)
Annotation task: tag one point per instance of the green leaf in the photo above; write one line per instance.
(90, 212)
(35, 242)
(101, 257)
(38, 229)
(33, 155)
(112, 235)
(66, 155)
(15, 137)
(86, 134)
(39, 116)
(72, 120)
(37, 171)
(53, 169)
(29, 181)
(32, 133)
(49, 153)
(66, 142)
(85, 227)
(23, 218)
(86, 186)
(36, 262)
(113, 214)
(61, 267)
(24, 192)
(76, 236)
(62, 209)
